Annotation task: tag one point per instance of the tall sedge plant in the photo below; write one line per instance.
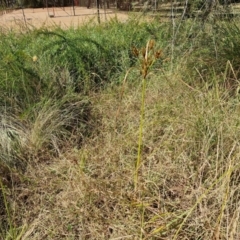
(147, 57)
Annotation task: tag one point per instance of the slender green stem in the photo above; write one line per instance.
(140, 138)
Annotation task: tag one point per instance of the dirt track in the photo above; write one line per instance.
(56, 16)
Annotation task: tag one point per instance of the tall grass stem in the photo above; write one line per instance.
(140, 138)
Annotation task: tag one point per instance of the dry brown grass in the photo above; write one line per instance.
(188, 186)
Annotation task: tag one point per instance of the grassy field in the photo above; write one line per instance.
(121, 131)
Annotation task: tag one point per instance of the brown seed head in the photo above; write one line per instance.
(151, 44)
(158, 53)
(135, 51)
(144, 52)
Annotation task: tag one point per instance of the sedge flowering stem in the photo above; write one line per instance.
(140, 140)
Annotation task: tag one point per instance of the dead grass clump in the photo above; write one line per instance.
(38, 135)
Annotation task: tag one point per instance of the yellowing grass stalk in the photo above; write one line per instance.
(144, 72)
(149, 54)
(140, 138)
(227, 174)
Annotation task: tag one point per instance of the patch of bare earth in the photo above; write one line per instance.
(64, 17)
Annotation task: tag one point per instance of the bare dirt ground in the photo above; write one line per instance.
(63, 17)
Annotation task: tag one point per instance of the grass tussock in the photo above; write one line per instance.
(90, 152)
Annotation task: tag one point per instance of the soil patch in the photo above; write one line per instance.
(65, 17)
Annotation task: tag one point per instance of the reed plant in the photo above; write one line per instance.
(147, 56)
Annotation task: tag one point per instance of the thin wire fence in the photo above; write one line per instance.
(183, 9)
